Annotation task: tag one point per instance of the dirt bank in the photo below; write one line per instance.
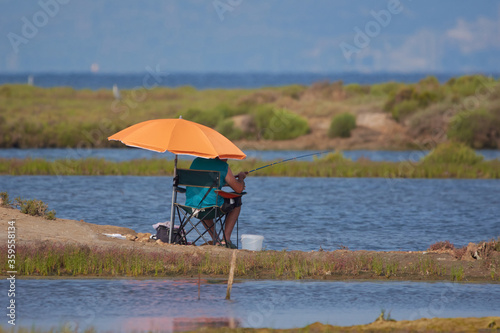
(485, 324)
(472, 265)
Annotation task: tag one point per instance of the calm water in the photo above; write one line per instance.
(121, 305)
(294, 213)
(133, 153)
(209, 80)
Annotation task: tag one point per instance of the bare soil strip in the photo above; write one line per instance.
(474, 264)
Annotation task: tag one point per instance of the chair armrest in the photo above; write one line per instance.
(229, 195)
(180, 189)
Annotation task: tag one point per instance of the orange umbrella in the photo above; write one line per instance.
(178, 136)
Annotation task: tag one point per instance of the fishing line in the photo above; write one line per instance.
(289, 159)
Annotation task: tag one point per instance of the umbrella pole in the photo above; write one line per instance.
(174, 200)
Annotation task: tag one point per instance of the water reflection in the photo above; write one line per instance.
(169, 324)
(108, 304)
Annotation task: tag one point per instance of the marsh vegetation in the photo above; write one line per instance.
(466, 109)
(449, 160)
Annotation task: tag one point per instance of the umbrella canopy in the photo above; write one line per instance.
(178, 136)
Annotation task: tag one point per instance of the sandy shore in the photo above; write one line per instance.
(430, 265)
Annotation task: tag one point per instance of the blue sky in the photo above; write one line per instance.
(122, 36)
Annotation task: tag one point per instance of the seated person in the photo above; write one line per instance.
(232, 208)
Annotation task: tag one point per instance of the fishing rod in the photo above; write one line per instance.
(289, 159)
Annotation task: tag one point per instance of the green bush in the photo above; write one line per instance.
(226, 111)
(226, 128)
(35, 208)
(217, 118)
(382, 89)
(341, 125)
(270, 124)
(409, 99)
(294, 91)
(453, 153)
(430, 82)
(403, 94)
(357, 89)
(279, 124)
(4, 199)
(208, 118)
(425, 98)
(478, 128)
(468, 85)
(404, 109)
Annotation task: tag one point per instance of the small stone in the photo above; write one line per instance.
(471, 253)
(143, 237)
(130, 237)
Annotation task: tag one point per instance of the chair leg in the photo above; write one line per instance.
(183, 223)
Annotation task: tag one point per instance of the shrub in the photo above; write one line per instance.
(425, 98)
(294, 91)
(404, 109)
(258, 98)
(35, 208)
(226, 128)
(357, 89)
(4, 199)
(453, 153)
(341, 125)
(468, 85)
(279, 124)
(478, 128)
(429, 82)
(226, 111)
(459, 253)
(408, 99)
(327, 90)
(218, 119)
(446, 245)
(497, 244)
(208, 118)
(382, 89)
(425, 122)
(403, 94)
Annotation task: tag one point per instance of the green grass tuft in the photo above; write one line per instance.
(453, 153)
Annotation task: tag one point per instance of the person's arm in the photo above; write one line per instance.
(236, 183)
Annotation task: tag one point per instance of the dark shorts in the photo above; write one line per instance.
(230, 204)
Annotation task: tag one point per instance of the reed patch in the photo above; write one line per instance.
(453, 160)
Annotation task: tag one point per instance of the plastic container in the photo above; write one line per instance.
(252, 242)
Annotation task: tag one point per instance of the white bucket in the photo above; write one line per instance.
(252, 242)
